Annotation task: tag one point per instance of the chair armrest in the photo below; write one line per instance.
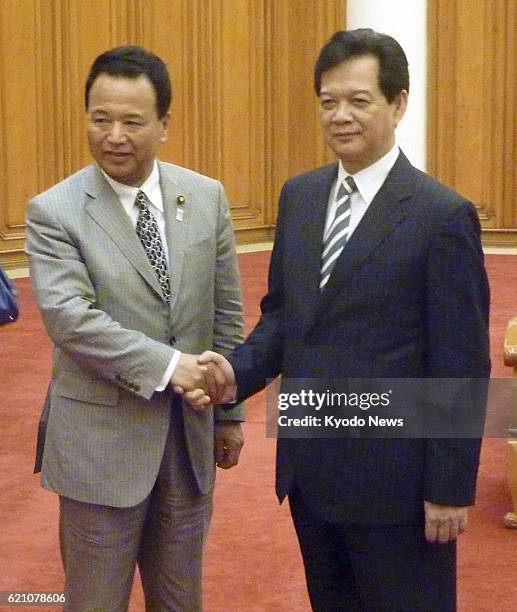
(510, 344)
(510, 359)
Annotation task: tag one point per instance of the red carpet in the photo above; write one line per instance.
(252, 560)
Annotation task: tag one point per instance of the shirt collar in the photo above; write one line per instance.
(151, 188)
(370, 179)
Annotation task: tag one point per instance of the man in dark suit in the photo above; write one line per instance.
(134, 270)
(376, 272)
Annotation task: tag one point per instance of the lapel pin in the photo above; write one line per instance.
(180, 200)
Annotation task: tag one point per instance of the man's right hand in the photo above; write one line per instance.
(192, 377)
(220, 377)
(220, 386)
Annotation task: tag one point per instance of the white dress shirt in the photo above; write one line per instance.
(127, 195)
(368, 181)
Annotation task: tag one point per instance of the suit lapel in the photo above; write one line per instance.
(105, 208)
(386, 211)
(305, 254)
(177, 204)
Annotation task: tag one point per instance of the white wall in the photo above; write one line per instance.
(406, 21)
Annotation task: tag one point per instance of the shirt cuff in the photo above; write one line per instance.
(166, 378)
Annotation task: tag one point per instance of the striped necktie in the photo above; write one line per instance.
(337, 234)
(149, 234)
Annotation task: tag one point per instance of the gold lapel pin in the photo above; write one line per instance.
(180, 200)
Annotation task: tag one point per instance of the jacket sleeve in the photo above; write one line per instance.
(457, 348)
(259, 359)
(228, 317)
(67, 300)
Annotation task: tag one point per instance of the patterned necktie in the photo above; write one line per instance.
(337, 234)
(149, 234)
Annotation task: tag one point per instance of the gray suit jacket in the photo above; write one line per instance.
(114, 335)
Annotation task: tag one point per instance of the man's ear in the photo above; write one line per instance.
(400, 104)
(165, 121)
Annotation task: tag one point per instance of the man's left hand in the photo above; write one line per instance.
(229, 440)
(444, 523)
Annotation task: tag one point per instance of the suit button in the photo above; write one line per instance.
(172, 340)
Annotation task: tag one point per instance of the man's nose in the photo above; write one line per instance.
(343, 112)
(117, 132)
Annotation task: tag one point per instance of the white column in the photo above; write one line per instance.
(406, 21)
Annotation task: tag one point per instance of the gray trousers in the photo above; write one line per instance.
(164, 534)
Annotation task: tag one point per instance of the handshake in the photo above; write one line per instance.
(204, 379)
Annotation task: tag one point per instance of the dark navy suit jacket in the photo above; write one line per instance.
(407, 298)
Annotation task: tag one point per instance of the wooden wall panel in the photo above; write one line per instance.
(243, 111)
(472, 101)
(295, 104)
(18, 121)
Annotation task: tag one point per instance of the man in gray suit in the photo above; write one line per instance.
(134, 270)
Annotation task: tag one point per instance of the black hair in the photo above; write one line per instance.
(132, 61)
(393, 64)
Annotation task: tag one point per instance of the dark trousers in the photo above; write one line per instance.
(373, 568)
